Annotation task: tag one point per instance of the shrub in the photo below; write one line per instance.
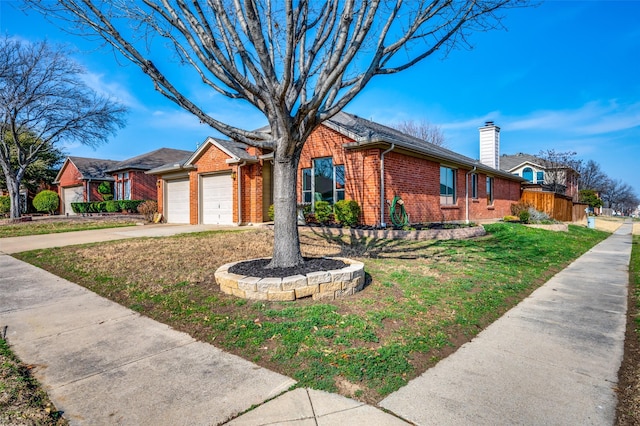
(105, 189)
(80, 208)
(129, 205)
(271, 213)
(511, 218)
(516, 208)
(323, 211)
(347, 212)
(524, 216)
(5, 204)
(107, 197)
(536, 216)
(46, 201)
(112, 206)
(148, 209)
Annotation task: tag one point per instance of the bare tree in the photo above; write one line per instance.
(422, 130)
(620, 197)
(43, 101)
(299, 63)
(591, 175)
(559, 174)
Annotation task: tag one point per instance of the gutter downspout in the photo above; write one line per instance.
(238, 177)
(382, 224)
(466, 181)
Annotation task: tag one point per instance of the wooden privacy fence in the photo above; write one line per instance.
(557, 206)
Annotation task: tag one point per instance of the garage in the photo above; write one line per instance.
(177, 201)
(217, 199)
(74, 194)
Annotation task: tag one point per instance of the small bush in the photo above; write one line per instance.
(148, 209)
(511, 218)
(536, 216)
(112, 206)
(46, 201)
(105, 189)
(323, 211)
(107, 197)
(271, 213)
(516, 208)
(524, 216)
(347, 212)
(129, 205)
(5, 204)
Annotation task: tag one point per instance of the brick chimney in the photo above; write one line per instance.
(490, 145)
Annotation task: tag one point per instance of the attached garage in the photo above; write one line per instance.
(177, 201)
(216, 207)
(74, 194)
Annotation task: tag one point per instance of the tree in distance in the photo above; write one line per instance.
(43, 101)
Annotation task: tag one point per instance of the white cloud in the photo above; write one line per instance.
(110, 89)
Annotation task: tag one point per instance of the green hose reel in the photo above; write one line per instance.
(398, 214)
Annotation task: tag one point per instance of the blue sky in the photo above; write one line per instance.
(564, 75)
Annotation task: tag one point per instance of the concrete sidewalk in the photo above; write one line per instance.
(553, 359)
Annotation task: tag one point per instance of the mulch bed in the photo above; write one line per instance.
(258, 267)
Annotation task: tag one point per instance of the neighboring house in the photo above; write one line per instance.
(130, 180)
(79, 177)
(347, 157)
(551, 177)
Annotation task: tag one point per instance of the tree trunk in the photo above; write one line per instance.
(14, 195)
(286, 244)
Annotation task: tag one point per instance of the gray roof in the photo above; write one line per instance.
(93, 168)
(152, 159)
(510, 162)
(237, 149)
(366, 132)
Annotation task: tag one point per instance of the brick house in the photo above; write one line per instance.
(79, 177)
(347, 157)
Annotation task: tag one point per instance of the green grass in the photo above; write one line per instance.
(53, 227)
(22, 401)
(425, 298)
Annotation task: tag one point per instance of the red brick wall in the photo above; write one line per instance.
(143, 186)
(70, 176)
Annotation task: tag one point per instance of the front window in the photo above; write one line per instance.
(339, 182)
(323, 182)
(540, 177)
(447, 185)
(123, 186)
(306, 185)
(489, 190)
(527, 173)
(474, 186)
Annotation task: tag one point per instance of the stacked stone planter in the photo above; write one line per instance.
(322, 285)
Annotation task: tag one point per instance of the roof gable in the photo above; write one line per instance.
(89, 168)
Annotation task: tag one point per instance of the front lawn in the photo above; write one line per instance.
(58, 224)
(422, 301)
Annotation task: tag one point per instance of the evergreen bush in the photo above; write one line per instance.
(5, 204)
(347, 212)
(323, 211)
(46, 201)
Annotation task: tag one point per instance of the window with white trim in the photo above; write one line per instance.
(447, 185)
(324, 181)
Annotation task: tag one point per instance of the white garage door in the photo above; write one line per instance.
(177, 203)
(217, 200)
(75, 194)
